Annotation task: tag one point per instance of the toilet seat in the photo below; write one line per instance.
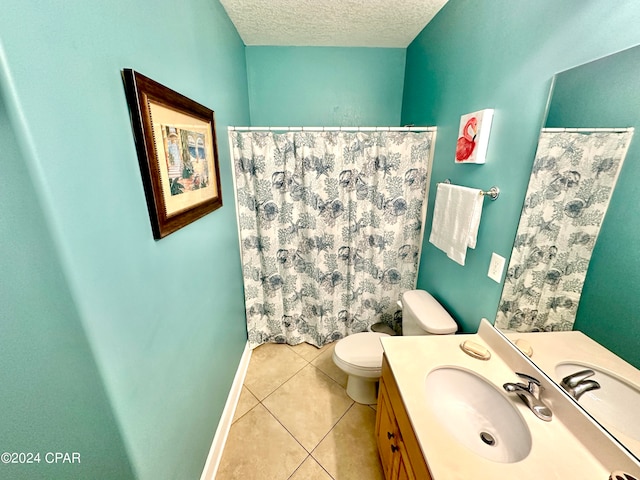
(360, 354)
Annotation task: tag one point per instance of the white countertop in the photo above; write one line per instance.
(557, 450)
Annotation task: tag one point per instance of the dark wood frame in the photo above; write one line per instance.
(140, 92)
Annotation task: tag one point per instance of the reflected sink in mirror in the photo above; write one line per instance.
(478, 415)
(614, 404)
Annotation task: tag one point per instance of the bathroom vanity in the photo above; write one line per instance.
(399, 450)
(444, 415)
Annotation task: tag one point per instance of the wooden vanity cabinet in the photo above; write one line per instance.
(400, 453)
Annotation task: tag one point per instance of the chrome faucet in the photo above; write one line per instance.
(530, 395)
(577, 384)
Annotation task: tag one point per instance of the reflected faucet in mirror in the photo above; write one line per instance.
(578, 383)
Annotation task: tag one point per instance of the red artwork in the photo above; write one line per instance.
(473, 136)
(467, 142)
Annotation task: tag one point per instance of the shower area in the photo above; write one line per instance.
(331, 223)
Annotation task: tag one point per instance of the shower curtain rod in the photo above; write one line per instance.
(335, 129)
(587, 130)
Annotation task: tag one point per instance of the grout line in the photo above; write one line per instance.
(290, 347)
(286, 429)
(309, 452)
(283, 383)
(277, 419)
(329, 377)
(331, 429)
(291, 433)
(314, 460)
(244, 386)
(254, 395)
(319, 351)
(298, 467)
(322, 467)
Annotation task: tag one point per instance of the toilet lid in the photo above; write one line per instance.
(361, 349)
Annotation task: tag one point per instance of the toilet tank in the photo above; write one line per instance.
(423, 315)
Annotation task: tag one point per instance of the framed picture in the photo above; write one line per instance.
(473, 137)
(176, 143)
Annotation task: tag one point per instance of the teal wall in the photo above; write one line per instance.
(120, 347)
(52, 397)
(605, 93)
(500, 54)
(325, 86)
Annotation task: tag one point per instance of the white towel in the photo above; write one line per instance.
(456, 219)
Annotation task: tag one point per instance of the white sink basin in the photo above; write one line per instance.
(614, 404)
(477, 415)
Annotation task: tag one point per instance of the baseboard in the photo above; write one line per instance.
(220, 438)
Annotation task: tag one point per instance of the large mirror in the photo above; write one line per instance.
(601, 94)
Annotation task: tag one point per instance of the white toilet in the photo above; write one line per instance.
(360, 355)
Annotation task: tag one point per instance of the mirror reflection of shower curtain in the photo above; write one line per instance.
(331, 228)
(571, 183)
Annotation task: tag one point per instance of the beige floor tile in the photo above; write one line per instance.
(325, 363)
(308, 405)
(349, 452)
(271, 365)
(310, 470)
(245, 403)
(307, 351)
(259, 448)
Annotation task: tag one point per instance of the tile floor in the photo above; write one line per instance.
(295, 421)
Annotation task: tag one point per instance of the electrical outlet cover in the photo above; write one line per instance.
(496, 267)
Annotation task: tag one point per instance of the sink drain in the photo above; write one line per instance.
(487, 438)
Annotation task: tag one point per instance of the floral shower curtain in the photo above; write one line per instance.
(572, 180)
(330, 229)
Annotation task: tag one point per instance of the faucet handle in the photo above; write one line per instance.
(574, 379)
(529, 378)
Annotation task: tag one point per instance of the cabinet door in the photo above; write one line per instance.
(412, 459)
(386, 431)
(403, 468)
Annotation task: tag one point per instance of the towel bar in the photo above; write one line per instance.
(493, 192)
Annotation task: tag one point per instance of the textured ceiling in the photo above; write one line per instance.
(338, 23)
